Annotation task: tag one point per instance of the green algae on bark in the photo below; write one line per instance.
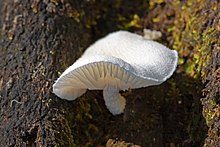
(193, 29)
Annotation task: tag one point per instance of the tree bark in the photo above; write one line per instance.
(39, 39)
(192, 28)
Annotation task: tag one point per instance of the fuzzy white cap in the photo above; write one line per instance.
(121, 59)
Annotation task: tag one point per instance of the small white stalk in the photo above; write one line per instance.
(113, 100)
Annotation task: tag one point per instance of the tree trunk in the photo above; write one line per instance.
(40, 39)
(192, 28)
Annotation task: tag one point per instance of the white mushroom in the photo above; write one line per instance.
(151, 34)
(119, 61)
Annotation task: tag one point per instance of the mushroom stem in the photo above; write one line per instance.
(113, 100)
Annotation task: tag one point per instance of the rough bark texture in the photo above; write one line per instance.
(193, 29)
(40, 39)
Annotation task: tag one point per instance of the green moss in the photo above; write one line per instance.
(192, 28)
(173, 90)
(197, 38)
(185, 24)
(134, 22)
(190, 36)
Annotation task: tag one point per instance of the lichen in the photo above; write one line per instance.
(187, 26)
(192, 28)
(57, 7)
(134, 22)
(190, 36)
(38, 71)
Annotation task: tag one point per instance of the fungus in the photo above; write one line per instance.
(119, 61)
(151, 34)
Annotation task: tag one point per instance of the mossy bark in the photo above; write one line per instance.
(40, 39)
(193, 29)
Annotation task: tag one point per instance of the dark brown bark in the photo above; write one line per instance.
(36, 44)
(192, 28)
(40, 39)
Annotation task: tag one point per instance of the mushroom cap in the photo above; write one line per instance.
(121, 58)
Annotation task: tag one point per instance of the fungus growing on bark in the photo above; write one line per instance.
(119, 61)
